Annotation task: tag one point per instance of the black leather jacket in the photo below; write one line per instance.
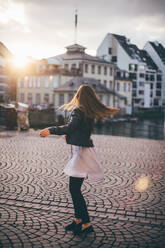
(77, 130)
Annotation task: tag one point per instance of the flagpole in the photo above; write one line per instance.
(76, 20)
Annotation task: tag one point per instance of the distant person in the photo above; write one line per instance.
(84, 163)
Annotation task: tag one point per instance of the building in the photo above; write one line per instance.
(65, 93)
(123, 86)
(157, 52)
(4, 77)
(142, 70)
(76, 59)
(37, 83)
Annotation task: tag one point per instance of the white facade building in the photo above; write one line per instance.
(157, 53)
(76, 59)
(118, 49)
(4, 86)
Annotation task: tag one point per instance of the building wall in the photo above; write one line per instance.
(103, 77)
(155, 57)
(3, 80)
(30, 86)
(106, 99)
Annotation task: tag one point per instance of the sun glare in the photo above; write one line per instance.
(20, 62)
(142, 184)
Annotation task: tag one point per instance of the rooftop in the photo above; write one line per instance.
(77, 52)
(159, 48)
(73, 84)
(131, 49)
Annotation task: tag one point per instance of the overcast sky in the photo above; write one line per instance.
(43, 28)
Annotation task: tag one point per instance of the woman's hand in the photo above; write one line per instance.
(44, 132)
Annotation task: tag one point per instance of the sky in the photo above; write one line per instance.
(43, 28)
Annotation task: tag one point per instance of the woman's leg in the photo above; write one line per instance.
(79, 203)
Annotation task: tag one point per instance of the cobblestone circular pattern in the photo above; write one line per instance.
(35, 204)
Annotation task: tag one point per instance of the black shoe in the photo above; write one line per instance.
(85, 231)
(73, 226)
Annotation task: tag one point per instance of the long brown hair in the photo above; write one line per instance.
(87, 100)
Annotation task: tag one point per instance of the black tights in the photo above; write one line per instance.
(79, 203)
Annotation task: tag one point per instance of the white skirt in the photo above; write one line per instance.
(84, 163)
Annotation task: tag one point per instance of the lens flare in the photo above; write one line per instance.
(142, 184)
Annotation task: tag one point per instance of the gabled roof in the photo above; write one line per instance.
(131, 49)
(150, 63)
(73, 84)
(160, 50)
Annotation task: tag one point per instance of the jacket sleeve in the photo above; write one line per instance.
(74, 121)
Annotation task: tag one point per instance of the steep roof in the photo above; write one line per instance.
(73, 84)
(131, 49)
(150, 63)
(160, 50)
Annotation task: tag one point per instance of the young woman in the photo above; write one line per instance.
(85, 108)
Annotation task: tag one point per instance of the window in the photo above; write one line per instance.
(158, 85)
(151, 86)
(129, 87)
(34, 82)
(133, 67)
(156, 102)
(73, 66)
(19, 83)
(22, 97)
(108, 100)
(66, 66)
(133, 75)
(109, 50)
(29, 98)
(70, 96)
(93, 69)
(46, 82)
(46, 98)
(25, 81)
(147, 77)
(134, 93)
(86, 68)
(141, 75)
(159, 77)
(141, 92)
(114, 58)
(105, 70)
(61, 99)
(141, 83)
(111, 87)
(141, 67)
(134, 84)
(99, 69)
(38, 82)
(118, 86)
(30, 82)
(50, 67)
(100, 98)
(158, 93)
(105, 83)
(55, 81)
(38, 98)
(152, 77)
(125, 87)
(111, 71)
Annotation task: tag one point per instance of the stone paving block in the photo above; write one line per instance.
(35, 203)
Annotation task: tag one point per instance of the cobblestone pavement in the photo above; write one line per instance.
(35, 204)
